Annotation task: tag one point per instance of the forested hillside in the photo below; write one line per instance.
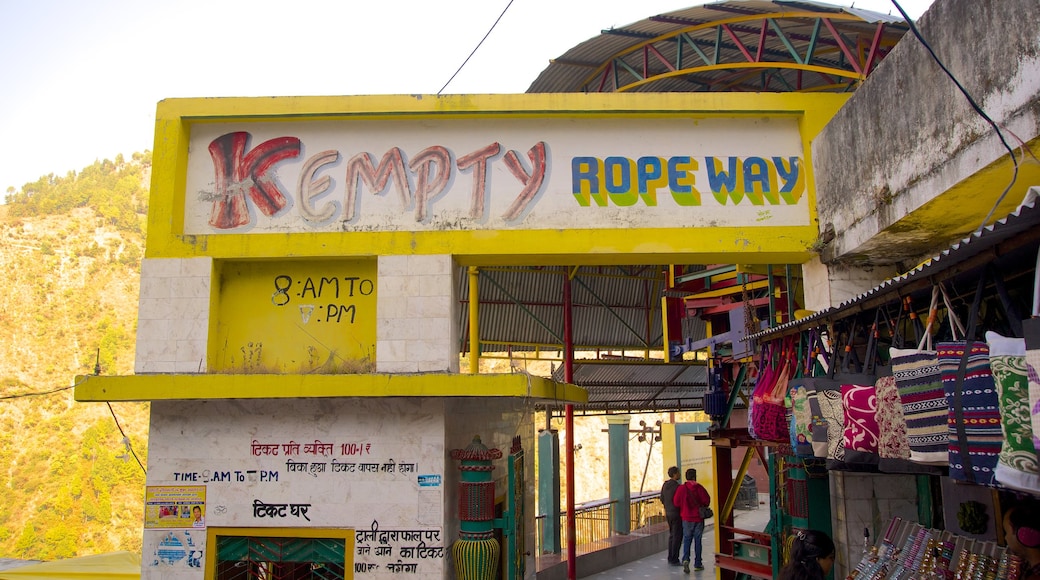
(71, 248)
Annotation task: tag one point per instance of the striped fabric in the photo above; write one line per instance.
(979, 412)
(924, 404)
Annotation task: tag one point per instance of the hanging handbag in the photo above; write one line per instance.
(893, 437)
(1031, 332)
(1017, 465)
(859, 403)
(764, 381)
(803, 395)
(771, 423)
(828, 395)
(919, 382)
(974, 409)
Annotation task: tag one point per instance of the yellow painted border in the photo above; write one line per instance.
(219, 386)
(347, 534)
(767, 244)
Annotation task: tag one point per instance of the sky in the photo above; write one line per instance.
(79, 81)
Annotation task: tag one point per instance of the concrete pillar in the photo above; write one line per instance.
(830, 285)
(617, 439)
(549, 490)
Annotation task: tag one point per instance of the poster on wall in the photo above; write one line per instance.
(174, 506)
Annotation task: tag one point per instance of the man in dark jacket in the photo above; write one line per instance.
(689, 498)
(671, 513)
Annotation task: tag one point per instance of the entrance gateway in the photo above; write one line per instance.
(298, 330)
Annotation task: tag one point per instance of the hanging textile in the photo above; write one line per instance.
(919, 381)
(974, 409)
(805, 410)
(859, 403)
(1031, 332)
(770, 412)
(893, 440)
(1017, 465)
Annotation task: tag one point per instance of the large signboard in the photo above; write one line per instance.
(495, 174)
(490, 179)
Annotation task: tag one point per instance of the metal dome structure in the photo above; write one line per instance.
(735, 46)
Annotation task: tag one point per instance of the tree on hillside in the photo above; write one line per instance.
(115, 189)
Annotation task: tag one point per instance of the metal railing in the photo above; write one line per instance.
(593, 520)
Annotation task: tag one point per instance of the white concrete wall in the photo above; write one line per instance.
(173, 315)
(865, 500)
(830, 285)
(213, 444)
(416, 315)
(908, 135)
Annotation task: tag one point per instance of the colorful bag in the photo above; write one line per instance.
(769, 419)
(802, 419)
(1017, 465)
(919, 382)
(802, 395)
(859, 403)
(1031, 332)
(974, 416)
(974, 411)
(772, 423)
(892, 439)
(765, 379)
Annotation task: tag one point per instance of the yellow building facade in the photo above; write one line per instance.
(297, 332)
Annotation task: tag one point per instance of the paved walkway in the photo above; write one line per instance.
(656, 566)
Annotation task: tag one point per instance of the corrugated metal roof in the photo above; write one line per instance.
(521, 308)
(1024, 220)
(574, 71)
(630, 387)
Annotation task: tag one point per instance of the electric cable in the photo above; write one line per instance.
(126, 440)
(476, 47)
(39, 394)
(974, 105)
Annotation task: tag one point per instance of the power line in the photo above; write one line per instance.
(126, 440)
(974, 105)
(39, 394)
(477, 47)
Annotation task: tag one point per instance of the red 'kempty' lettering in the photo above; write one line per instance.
(238, 173)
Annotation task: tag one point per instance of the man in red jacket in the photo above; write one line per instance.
(689, 498)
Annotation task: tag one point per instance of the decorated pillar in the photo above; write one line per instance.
(476, 551)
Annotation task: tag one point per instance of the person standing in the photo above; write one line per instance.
(690, 497)
(671, 514)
